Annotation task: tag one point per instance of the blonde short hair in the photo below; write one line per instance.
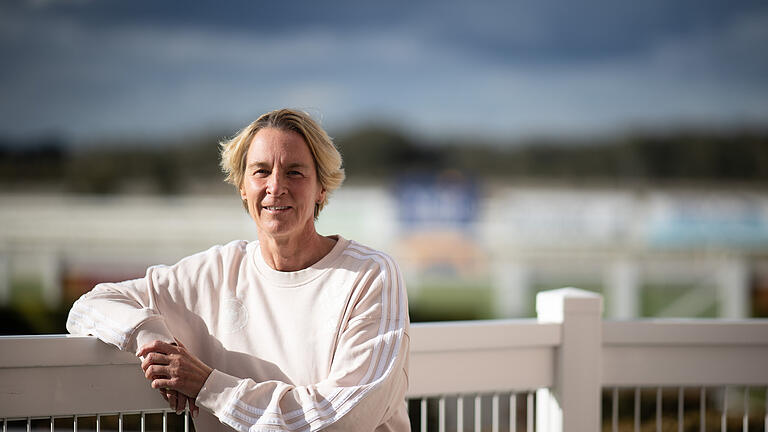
(327, 158)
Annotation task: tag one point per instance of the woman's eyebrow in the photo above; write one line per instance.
(296, 165)
(258, 164)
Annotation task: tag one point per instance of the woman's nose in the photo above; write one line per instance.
(274, 184)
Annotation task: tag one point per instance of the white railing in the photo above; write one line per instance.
(567, 357)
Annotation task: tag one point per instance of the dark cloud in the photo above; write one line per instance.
(97, 67)
(553, 30)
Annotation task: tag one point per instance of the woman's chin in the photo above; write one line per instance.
(275, 228)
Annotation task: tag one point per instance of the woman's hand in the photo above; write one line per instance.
(175, 371)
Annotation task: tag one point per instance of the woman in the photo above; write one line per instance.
(295, 331)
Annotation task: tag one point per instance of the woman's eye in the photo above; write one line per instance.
(294, 173)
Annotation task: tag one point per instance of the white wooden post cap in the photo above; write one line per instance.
(552, 305)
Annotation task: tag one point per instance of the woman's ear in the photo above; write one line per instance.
(321, 198)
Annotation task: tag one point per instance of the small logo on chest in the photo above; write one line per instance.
(235, 315)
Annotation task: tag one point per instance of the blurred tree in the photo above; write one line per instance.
(38, 160)
(378, 152)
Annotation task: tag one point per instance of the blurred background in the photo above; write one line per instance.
(494, 148)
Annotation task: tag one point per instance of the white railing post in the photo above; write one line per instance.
(733, 278)
(573, 403)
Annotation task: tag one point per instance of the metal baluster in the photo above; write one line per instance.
(165, 421)
(423, 414)
(5, 425)
(186, 420)
(143, 422)
(120, 422)
(513, 412)
(98, 422)
(29, 424)
(637, 409)
(478, 413)
(680, 409)
(703, 410)
(745, 421)
(460, 414)
(441, 414)
(658, 409)
(495, 413)
(615, 410)
(51, 423)
(74, 424)
(529, 413)
(723, 425)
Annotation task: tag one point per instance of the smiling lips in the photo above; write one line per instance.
(275, 208)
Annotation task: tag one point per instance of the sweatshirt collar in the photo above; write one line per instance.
(299, 277)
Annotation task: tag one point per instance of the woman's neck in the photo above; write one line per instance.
(296, 253)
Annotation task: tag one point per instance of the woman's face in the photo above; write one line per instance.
(281, 185)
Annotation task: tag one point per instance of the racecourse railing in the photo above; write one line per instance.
(567, 370)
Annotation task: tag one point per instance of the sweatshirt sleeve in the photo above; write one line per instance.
(365, 387)
(124, 314)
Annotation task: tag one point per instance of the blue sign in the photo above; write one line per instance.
(438, 201)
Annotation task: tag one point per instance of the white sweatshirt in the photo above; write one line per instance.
(323, 347)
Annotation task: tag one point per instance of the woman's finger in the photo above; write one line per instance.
(154, 358)
(181, 402)
(156, 371)
(192, 407)
(173, 397)
(155, 346)
(158, 383)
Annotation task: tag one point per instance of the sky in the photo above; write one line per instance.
(87, 70)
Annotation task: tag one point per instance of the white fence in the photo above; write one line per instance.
(568, 356)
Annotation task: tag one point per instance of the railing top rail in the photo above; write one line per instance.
(36, 350)
(683, 332)
(489, 334)
(37, 336)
